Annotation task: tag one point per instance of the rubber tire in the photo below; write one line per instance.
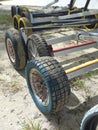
(41, 46)
(13, 11)
(90, 118)
(26, 14)
(22, 9)
(24, 22)
(16, 21)
(19, 48)
(92, 26)
(56, 82)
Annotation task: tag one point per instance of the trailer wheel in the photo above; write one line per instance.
(90, 120)
(13, 10)
(23, 23)
(37, 46)
(22, 9)
(48, 84)
(26, 14)
(91, 26)
(15, 48)
(16, 21)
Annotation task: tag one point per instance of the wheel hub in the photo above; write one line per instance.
(39, 87)
(11, 51)
(32, 50)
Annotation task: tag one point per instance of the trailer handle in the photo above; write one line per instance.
(72, 2)
(53, 2)
(86, 5)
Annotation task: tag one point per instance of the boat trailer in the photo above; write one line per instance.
(56, 18)
(48, 79)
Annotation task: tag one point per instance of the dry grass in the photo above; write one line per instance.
(30, 125)
(5, 21)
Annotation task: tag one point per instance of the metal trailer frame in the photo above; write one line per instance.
(70, 73)
(72, 20)
(79, 19)
(65, 21)
(48, 5)
(45, 96)
(52, 17)
(69, 10)
(66, 17)
(47, 13)
(77, 70)
(72, 2)
(58, 15)
(55, 104)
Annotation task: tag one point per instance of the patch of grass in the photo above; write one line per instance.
(92, 73)
(30, 125)
(5, 21)
(77, 83)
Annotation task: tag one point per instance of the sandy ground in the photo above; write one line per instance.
(17, 106)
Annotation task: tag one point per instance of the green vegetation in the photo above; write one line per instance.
(78, 83)
(31, 125)
(5, 21)
(91, 74)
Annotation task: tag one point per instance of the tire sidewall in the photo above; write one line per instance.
(9, 35)
(89, 117)
(44, 109)
(19, 48)
(40, 44)
(13, 10)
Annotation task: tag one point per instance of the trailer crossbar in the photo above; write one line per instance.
(83, 14)
(82, 69)
(81, 66)
(74, 48)
(61, 39)
(93, 35)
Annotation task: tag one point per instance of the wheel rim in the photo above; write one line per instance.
(32, 50)
(94, 25)
(15, 23)
(10, 50)
(39, 87)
